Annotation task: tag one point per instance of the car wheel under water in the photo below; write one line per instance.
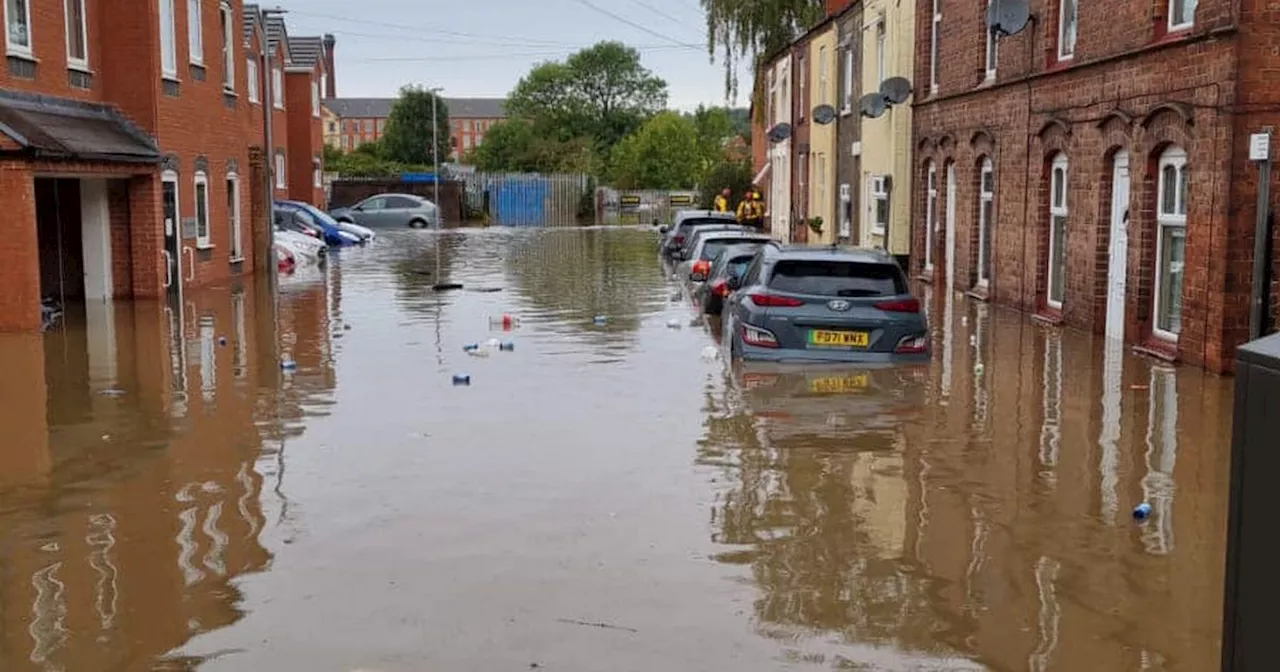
(417, 223)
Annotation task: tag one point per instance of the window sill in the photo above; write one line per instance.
(22, 54)
(236, 260)
(205, 246)
(926, 275)
(230, 92)
(79, 67)
(171, 77)
(980, 292)
(1159, 348)
(877, 231)
(1049, 315)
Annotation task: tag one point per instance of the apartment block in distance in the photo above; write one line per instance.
(1092, 167)
(362, 120)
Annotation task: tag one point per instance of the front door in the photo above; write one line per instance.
(172, 239)
(1118, 253)
(951, 227)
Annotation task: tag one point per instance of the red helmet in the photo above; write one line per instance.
(726, 192)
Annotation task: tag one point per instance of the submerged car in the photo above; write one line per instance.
(731, 262)
(330, 232)
(824, 304)
(707, 244)
(391, 210)
(355, 232)
(675, 236)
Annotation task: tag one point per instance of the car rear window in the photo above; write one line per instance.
(823, 277)
(714, 246)
(703, 221)
(738, 265)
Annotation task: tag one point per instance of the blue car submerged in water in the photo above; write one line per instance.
(334, 234)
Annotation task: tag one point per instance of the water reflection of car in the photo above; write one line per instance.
(688, 220)
(730, 261)
(391, 211)
(801, 303)
(707, 244)
(838, 400)
(298, 218)
(353, 232)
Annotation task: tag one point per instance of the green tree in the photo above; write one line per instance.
(752, 29)
(514, 146)
(663, 154)
(602, 93)
(408, 135)
(732, 175)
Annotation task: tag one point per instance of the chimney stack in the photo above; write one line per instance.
(331, 86)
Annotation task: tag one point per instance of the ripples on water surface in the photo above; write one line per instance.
(171, 499)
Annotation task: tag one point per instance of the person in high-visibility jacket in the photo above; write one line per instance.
(755, 210)
(722, 201)
(744, 208)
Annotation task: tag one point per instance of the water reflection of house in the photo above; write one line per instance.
(133, 498)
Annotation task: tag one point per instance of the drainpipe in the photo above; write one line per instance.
(268, 110)
(1261, 241)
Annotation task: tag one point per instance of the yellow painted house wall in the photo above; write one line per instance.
(886, 140)
(332, 128)
(824, 85)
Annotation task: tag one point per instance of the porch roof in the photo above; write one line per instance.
(58, 128)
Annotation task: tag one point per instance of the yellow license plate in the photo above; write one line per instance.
(839, 339)
(840, 384)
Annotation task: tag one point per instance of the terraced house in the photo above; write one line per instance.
(130, 150)
(1093, 168)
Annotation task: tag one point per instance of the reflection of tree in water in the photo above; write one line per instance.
(825, 516)
(574, 274)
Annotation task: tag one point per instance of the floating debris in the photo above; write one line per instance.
(507, 346)
(461, 379)
(288, 364)
(673, 323)
(1142, 511)
(600, 319)
(710, 353)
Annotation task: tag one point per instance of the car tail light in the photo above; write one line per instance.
(677, 240)
(900, 306)
(720, 288)
(912, 345)
(700, 269)
(772, 301)
(761, 338)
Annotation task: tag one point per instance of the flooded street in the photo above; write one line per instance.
(599, 498)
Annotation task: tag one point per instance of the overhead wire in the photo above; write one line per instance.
(622, 19)
(479, 57)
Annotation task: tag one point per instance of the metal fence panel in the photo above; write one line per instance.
(641, 206)
(525, 199)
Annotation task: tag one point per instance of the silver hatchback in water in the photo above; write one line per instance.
(824, 304)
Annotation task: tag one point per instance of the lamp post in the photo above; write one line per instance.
(435, 153)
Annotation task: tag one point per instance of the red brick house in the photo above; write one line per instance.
(1093, 168)
(125, 150)
(364, 119)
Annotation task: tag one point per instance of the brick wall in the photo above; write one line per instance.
(1130, 86)
(299, 141)
(50, 65)
(20, 274)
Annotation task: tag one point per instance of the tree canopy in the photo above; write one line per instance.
(408, 136)
(750, 29)
(664, 153)
(513, 145)
(601, 93)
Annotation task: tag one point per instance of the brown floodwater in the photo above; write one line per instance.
(599, 498)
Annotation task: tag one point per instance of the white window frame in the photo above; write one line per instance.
(935, 46)
(253, 82)
(985, 196)
(1189, 8)
(324, 83)
(195, 31)
(1176, 158)
(202, 238)
(282, 168)
(846, 103)
(823, 72)
(1067, 50)
(318, 174)
(12, 48)
(234, 219)
(72, 61)
(1057, 209)
(227, 22)
(930, 213)
(168, 39)
(882, 51)
(878, 192)
(991, 55)
(277, 87)
(315, 99)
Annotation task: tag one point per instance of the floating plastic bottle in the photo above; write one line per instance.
(461, 379)
(601, 319)
(507, 346)
(471, 347)
(222, 340)
(1142, 511)
(288, 364)
(492, 343)
(673, 323)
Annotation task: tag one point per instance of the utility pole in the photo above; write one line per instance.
(435, 154)
(269, 151)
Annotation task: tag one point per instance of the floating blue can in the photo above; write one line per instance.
(460, 379)
(1142, 511)
(288, 365)
(507, 346)
(471, 347)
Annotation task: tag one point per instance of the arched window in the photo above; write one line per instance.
(1056, 289)
(986, 219)
(202, 210)
(1171, 242)
(233, 217)
(930, 214)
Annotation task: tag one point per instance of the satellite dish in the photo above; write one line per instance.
(1008, 17)
(824, 114)
(872, 105)
(895, 90)
(779, 132)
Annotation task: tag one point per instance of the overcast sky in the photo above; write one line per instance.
(481, 48)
